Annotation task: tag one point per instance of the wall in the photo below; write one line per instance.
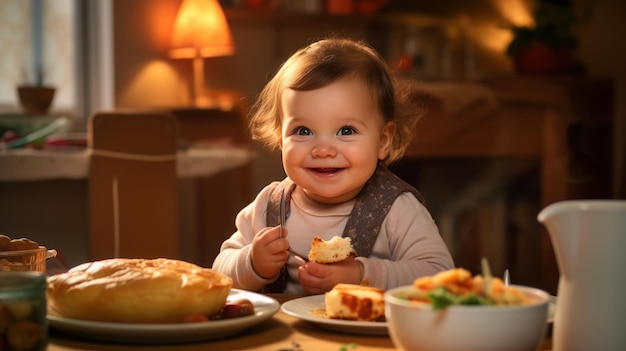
(604, 57)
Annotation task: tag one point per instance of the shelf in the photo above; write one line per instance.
(239, 16)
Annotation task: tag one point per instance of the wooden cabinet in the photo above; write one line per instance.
(560, 126)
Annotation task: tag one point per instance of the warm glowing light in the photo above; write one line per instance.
(517, 12)
(496, 40)
(201, 30)
(154, 73)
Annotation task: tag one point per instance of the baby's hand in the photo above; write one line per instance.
(269, 252)
(318, 278)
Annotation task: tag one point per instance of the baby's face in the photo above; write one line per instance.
(332, 139)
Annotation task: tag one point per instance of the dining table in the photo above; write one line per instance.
(281, 332)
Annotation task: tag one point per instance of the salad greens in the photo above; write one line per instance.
(441, 298)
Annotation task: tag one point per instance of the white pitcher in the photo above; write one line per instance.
(589, 240)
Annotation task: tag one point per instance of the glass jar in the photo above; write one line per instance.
(23, 323)
(24, 260)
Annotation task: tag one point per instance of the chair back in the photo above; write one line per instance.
(133, 185)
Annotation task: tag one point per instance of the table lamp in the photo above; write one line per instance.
(201, 30)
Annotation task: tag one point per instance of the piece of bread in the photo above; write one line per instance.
(137, 291)
(8, 244)
(355, 302)
(334, 250)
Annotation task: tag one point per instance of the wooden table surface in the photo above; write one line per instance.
(280, 333)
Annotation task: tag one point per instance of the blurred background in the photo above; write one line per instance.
(510, 80)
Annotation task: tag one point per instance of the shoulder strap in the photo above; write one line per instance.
(272, 218)
(371, 208)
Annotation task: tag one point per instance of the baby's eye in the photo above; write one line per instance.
(302, 131)
(347, 130)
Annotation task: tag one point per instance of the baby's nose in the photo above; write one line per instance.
(324, 149)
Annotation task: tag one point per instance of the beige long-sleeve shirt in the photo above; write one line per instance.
(408, 245)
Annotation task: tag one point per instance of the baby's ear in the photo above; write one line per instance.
(386, 139)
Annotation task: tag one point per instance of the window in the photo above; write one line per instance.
(69, 40)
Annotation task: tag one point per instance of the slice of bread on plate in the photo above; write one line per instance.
(355, 302)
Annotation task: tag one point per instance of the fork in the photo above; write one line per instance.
(283, 218)
(282, 214)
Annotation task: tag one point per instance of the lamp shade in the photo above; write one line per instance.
(201, 29)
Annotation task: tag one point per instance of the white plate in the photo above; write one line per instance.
(264, 307)
(305, 308)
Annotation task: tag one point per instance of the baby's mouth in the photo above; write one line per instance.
(326, 170)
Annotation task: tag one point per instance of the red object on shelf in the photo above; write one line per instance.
(369, 7)
(540, 58)
(66, 140)
(256, 4)
(341, 7)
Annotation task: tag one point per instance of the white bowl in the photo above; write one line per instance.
(464, 328)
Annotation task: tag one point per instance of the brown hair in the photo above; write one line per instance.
(324, 62)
